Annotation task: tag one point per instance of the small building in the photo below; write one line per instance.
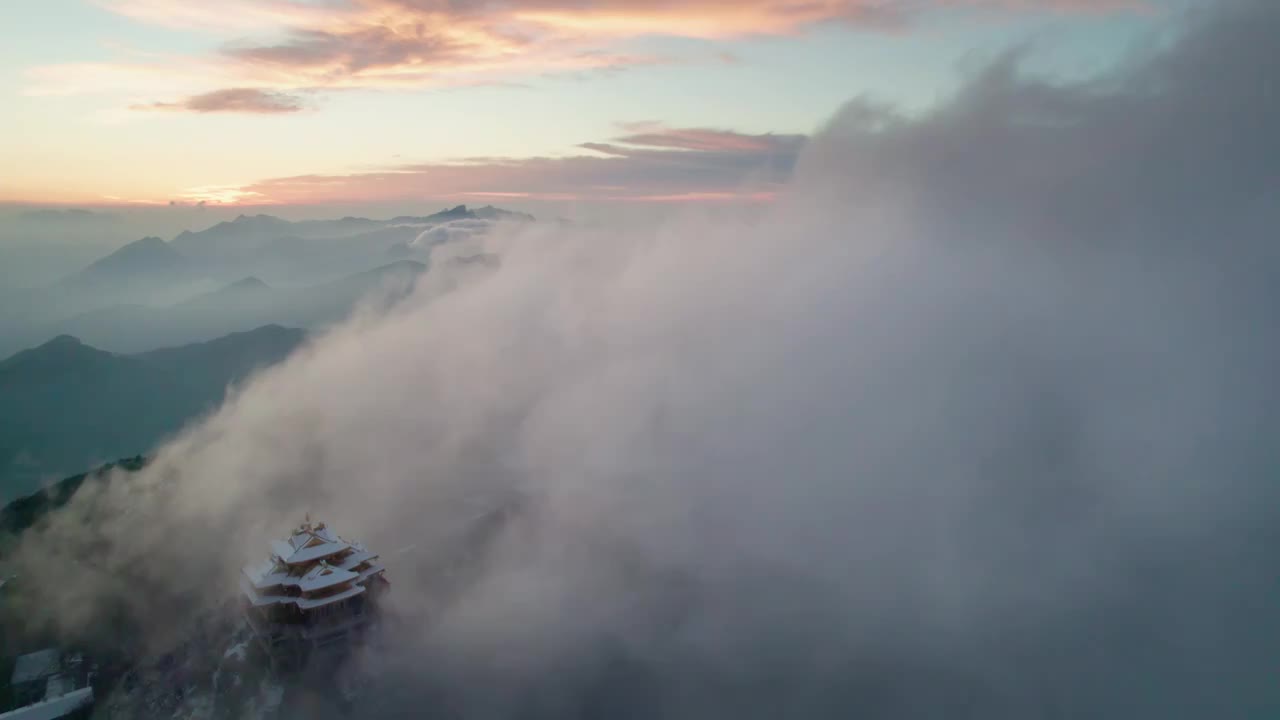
(45, 685)
(314, 597)
(31, 674)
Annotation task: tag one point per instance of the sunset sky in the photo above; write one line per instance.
(312, 101)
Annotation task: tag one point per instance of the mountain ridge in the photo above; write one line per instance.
(66, 406)
(148, 255)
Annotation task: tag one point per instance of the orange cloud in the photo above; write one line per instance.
(706, 18)
(238, 15)
(408, 44)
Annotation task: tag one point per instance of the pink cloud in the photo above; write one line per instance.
(406, 44)
(239, 100)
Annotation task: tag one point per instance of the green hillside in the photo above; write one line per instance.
(66, 407)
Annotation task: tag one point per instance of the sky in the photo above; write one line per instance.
(302, 102)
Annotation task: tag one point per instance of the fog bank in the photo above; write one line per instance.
(978, 420)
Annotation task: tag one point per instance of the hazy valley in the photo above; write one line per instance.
(116, 357)
(236, 275)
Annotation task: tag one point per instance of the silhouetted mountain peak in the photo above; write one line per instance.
(249, 283)
(232, 239)
(61, 341)
(459, 212)
(241, 224)
(265, 333)
(64, 353)
(250, 288)
(238, 352)
(66, 404)
(269, 331)
(259, 219)
(150, 254)
(146, 247)
(398, 267)
(489, 212)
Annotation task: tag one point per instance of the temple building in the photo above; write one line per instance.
(314, 598)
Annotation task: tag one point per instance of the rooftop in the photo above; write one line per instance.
(325, 575)
(53, 708)
(36, 666)
(259, 599)
(270, 573)
(308, 543)
(312, 559)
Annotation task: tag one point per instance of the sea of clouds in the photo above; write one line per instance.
(979, 419)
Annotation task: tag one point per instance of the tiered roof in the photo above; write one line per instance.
(312, 559)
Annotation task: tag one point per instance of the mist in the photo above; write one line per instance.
(977, 419)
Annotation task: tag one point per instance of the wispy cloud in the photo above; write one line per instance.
(655, 135)
(240, 100)
(286, 45)
(237, 15)
(659, 165)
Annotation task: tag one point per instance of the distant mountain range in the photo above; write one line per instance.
(139, 258)
(245, 303)
(146, 270)
(235, 275)
(269, 246)
(66, 406)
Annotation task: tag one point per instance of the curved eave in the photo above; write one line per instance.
(259, 600)
(262, 577)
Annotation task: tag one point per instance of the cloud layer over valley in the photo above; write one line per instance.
(976, 419)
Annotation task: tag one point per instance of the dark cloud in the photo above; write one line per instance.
(234, 100)
(977, 421)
